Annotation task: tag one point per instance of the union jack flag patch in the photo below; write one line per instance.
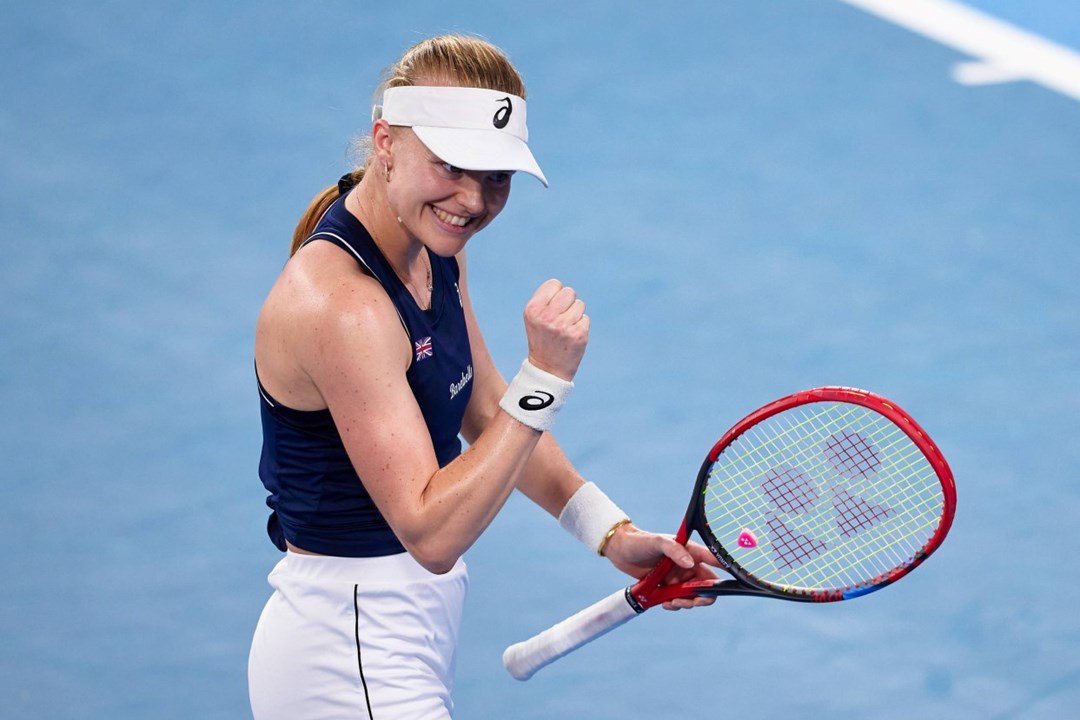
(423, 349)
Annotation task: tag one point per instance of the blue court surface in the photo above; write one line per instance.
(752, 197)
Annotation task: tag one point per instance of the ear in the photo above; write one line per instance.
(382, 141)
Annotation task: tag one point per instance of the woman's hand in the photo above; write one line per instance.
(636, 552)
(557, 329)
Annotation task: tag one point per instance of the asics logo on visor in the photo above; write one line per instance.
(502, 115)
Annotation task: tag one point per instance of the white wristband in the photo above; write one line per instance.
(534, 396)
(591, 517)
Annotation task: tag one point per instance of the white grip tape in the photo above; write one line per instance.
(589, 514)
(534, 396)
(523, 659)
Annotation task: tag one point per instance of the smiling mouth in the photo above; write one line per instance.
(450, 219)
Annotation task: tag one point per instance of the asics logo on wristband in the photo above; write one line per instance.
(534, 396)
(534, 402)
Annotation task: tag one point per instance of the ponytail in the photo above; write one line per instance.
(318, 207)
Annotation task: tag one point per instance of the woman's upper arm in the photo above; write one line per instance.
(357, 356)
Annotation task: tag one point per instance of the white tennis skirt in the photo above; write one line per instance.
(356, 638)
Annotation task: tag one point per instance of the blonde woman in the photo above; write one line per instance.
(371, 367)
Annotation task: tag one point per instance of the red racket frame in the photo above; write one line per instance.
(650, 590)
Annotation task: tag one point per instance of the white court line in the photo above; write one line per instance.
(1004, 52)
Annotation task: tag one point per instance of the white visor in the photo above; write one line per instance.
(470, 128)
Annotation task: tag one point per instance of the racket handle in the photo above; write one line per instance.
(523, 659)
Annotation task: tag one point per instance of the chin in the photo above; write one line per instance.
(446, 247)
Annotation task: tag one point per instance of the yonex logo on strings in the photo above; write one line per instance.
(502, 115)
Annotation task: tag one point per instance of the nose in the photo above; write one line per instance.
(471, 194)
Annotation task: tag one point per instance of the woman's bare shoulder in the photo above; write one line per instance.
(323, 309)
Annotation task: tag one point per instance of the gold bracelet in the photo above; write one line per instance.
(611, 534)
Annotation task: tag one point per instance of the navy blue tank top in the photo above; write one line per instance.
(318, 501)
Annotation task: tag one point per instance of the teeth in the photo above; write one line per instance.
(455, 220)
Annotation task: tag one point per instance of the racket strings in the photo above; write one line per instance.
(845, 505)
(785, 452)
(849, 511)
(839, 494)
(756, 461)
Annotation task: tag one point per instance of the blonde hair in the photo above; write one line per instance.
(456, 60)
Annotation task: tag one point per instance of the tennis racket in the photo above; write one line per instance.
(825, 495)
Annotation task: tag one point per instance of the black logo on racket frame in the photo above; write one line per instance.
(502, 115)
(535, 402)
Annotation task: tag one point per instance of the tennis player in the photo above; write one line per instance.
(371, 367)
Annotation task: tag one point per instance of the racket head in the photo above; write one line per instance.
(824, 495)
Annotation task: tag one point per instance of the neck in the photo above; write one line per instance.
(369, 204)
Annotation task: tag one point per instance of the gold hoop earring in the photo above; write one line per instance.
(386, 172)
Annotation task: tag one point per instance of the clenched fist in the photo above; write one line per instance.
(557, 328)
